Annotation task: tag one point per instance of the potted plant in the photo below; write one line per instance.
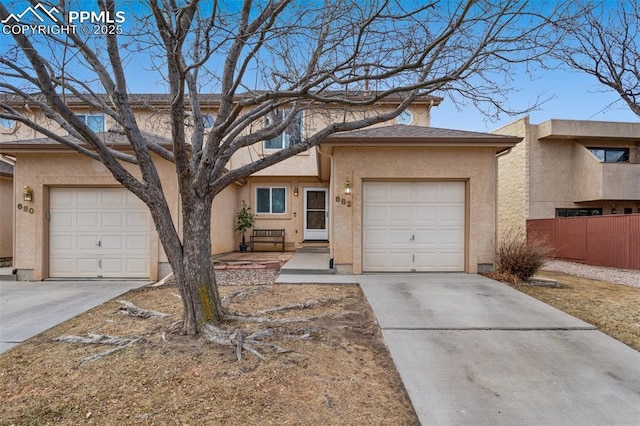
(245, 221)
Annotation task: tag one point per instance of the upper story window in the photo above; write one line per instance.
(7, 123)
(209, 121)
(578, 212)
(272, 200)
(94, 121)
(611, 155)
(291, 136)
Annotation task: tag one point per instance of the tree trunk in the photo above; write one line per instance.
(194, 275)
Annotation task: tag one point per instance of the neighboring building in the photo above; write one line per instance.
(6, 210)
(568, 168)
(396, 197)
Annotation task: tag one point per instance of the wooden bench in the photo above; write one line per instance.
(275, 236)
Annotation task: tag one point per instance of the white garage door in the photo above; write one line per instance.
(98, 232)
(414, 226)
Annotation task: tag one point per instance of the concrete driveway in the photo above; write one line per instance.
(29, 308)
(471, 350)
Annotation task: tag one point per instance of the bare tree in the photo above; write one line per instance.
(262, 57)
(603, 40)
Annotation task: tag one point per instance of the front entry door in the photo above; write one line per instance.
(316, 203)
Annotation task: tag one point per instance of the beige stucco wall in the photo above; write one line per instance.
(476, 166)
(292, 221)
(42, 171)
(553, 169)
(223, 221)
(513, 180)
(6, 216)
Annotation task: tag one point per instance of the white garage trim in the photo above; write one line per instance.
(98, 233)
(414, 226)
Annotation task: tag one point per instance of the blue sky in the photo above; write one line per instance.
(576, 96)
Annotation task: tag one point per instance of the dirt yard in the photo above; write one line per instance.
(337, 369)
(613, 308)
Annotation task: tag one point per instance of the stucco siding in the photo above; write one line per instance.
(513, 181)
(475, 166)
(42, 171)
(292, 220)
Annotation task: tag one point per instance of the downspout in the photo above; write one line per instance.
(330, 203)
(497, 156)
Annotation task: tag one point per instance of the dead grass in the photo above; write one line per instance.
(612, 308)
(342, 375)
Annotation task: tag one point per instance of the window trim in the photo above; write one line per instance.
(204, 121)
(87, 115)
(605, 149)
(270, 212)
(578, 209)
(285, 112)
(7, 120)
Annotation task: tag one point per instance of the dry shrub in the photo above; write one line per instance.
(519, 258)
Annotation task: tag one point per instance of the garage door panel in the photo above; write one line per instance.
(400, 214)
(451, 236)
(451, 213)
(414, 226)
(376, 214)
(86, 220)
(451, 191)
(86, 242)
(98, 232)
(426, 213)
(138, 221)
(137, 242)
(112, 198)
(86, 198)
(63, 242)
(87, 266)
(112, 219)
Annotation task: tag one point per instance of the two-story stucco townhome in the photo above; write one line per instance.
(567, 168)
(396, 197)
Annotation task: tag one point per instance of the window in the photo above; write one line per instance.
(578, 212)
(292, 134)
(208, 120)
(611, 155)
(271, 200)
(94, 121)
(7, 123)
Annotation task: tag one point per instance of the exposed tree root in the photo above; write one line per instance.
(120, 342)
(240, 293)
(241, 342)
(129, 308)
(303, 305)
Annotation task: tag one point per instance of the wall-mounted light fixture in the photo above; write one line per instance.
(27, 194)
(347, 187)
(614, 211)
(295, 191)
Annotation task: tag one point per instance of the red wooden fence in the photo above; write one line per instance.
(612, 241)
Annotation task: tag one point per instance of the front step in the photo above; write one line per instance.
(308, 263)
(6, 274)
(312, 249)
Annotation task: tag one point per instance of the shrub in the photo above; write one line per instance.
(520, 259)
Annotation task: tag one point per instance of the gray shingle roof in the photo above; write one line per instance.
(416, 133)
(6, 169)
(110, 138)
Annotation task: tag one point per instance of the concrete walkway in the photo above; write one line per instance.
(471, 350)
(29, 308)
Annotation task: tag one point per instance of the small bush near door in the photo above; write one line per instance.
(518, 259)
